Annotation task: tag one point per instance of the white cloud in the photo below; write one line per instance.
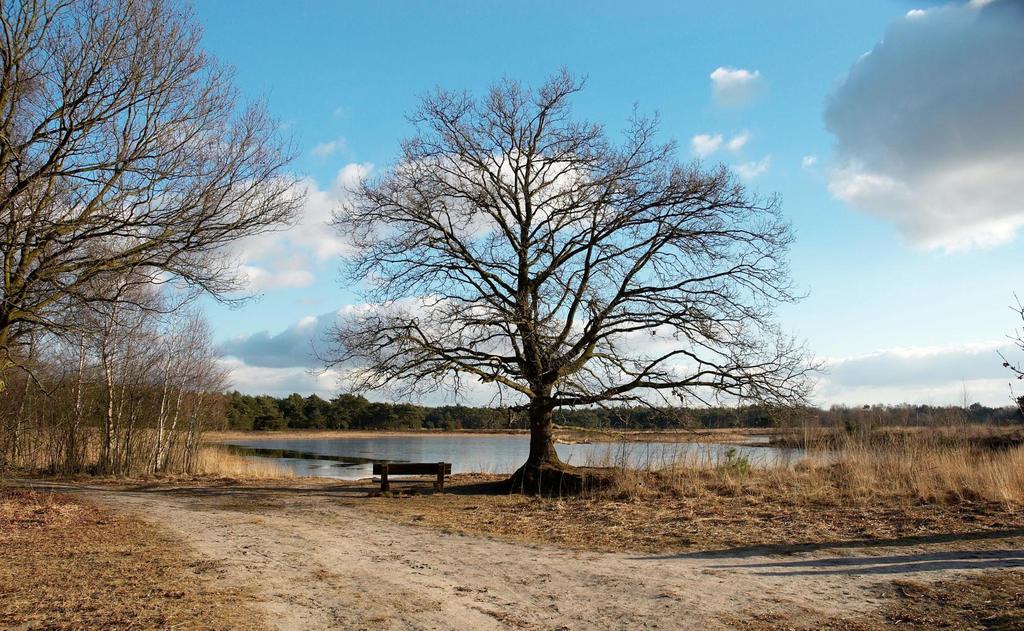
(929, 130)
(734, 87)
(327, 149)
(738, 141)
(289, 258)
(260, 279)
(936, 375)
(705, 144)
(752, 170)
(809, 161)
(288, 361)
(279, 381)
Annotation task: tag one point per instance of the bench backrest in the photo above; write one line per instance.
(413, 468)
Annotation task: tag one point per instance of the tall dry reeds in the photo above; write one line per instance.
(219, 462)
(937, 467)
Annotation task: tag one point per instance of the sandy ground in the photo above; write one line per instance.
(318, 564)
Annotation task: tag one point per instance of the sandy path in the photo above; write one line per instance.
(317, 565)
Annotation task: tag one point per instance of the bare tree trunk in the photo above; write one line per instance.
(173, 429)
(19, 419)
(161, 419)
(106, 448)
(172, 432)
(542, 442)
(71, 460)
(119, 431)
(544, 472)
(129, 435)
(192, 437)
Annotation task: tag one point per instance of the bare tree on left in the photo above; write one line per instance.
(125, 159)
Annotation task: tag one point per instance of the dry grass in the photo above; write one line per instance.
(900, 491)
(716, 518)
(952, 435)
(907, 470)
(218, 462)
(71, 565)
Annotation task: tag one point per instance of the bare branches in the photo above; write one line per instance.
(516, 245)
(123, 153)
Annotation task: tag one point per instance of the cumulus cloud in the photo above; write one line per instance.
(280, 381)
(928, 126)
(754, 169)
(734, 87)
(289, 258)
(706, 144)
(287, 361)
(937, 375)
(295, 347)
(809, 161)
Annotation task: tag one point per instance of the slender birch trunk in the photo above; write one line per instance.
(158, 456)
(71, 460)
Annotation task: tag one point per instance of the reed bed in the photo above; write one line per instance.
(913, 467)
(219, 462)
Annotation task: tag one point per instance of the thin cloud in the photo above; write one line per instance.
(327, 149)
(753, 170)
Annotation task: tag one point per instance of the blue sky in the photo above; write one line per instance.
(906, 253)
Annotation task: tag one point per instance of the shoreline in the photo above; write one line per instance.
(565, 435)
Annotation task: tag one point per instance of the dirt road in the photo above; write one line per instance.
(316, 564)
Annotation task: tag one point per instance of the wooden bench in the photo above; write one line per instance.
(383, 469)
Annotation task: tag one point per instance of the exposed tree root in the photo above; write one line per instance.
(556, 479)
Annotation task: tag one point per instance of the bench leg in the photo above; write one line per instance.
(439, 485)
(385, 486)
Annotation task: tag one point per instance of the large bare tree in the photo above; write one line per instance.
(518, 246)
(124, 154)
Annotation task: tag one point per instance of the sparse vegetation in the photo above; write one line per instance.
(68, 564)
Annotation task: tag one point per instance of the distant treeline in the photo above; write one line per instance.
(346, 411)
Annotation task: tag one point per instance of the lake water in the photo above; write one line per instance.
(352, 458)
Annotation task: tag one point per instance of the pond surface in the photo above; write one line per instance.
(352, 458)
